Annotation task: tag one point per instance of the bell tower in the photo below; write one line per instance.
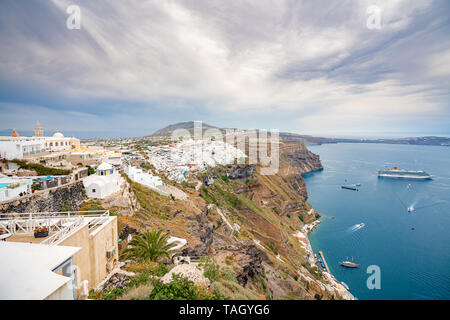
(38, 131)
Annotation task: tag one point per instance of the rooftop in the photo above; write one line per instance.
(19, 281)
(20, 226)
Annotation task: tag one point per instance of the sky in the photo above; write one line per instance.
(312, 67)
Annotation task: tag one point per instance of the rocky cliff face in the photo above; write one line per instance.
(296, 159)
(264, 256)
(50, 200)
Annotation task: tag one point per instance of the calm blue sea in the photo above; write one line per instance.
(414, 264)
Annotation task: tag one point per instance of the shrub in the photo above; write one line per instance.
(228, 274)
(90, 170)
(272, 248)
(40, 169)
(37, 186)
(66, 207)
(210, 268)
(229, 260)
(181, 288)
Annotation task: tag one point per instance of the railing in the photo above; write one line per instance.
(62, 223)
(63, 233)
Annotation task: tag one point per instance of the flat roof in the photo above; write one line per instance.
(47, 255)
(26, 270)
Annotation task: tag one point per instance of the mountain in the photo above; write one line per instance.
(307, 139)
(188, 125)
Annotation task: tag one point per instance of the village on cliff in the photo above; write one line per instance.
(65, 252)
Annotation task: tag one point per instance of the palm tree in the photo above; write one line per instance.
(150, 245)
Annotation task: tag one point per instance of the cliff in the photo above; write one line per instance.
(50, 200)
(263, 259)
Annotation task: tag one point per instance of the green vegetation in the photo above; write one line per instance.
(210, 268)
(271, 247)
(152, 203)
(90, 170)
(36, 186)
(150, 246)
(181, 288)
(190, 185)
(66, 207)
(220, 197)
(92, 205)
(41, 170)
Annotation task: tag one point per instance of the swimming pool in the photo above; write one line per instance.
(4, 185)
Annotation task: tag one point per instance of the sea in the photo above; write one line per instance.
(402, 255)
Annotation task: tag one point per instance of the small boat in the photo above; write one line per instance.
(349, 188)
(345, 285)
(348, 264)
(358, 184)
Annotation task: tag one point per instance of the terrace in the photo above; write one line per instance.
(20, 227)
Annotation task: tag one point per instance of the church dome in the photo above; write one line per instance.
(58, 135)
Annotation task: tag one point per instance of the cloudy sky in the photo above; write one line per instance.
(311, 67)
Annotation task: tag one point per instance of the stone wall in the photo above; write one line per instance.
(50, 200)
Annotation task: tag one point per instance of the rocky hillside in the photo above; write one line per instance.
(261, 259)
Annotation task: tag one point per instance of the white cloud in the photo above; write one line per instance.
(312, 60)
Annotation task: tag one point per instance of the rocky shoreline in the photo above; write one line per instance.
(335, 285)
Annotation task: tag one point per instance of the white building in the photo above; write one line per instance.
(60, 143)
(29, 272)
(105, 182)
(11, 188)
(18, 147)
(177, 161)
(113, 158)
(146, 179)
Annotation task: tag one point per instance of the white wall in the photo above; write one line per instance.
(65, 292)
(16, 149)
(8, 194)
(104, 185)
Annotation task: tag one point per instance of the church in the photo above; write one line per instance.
(103, 183)
(18, 147)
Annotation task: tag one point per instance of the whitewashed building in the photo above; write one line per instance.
(146, 179)
(18, 147)
(105, 182)
(36, 272)
(11, 188)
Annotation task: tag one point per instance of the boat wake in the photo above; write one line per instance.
(357, 227)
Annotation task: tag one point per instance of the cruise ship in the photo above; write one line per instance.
(405, 174)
